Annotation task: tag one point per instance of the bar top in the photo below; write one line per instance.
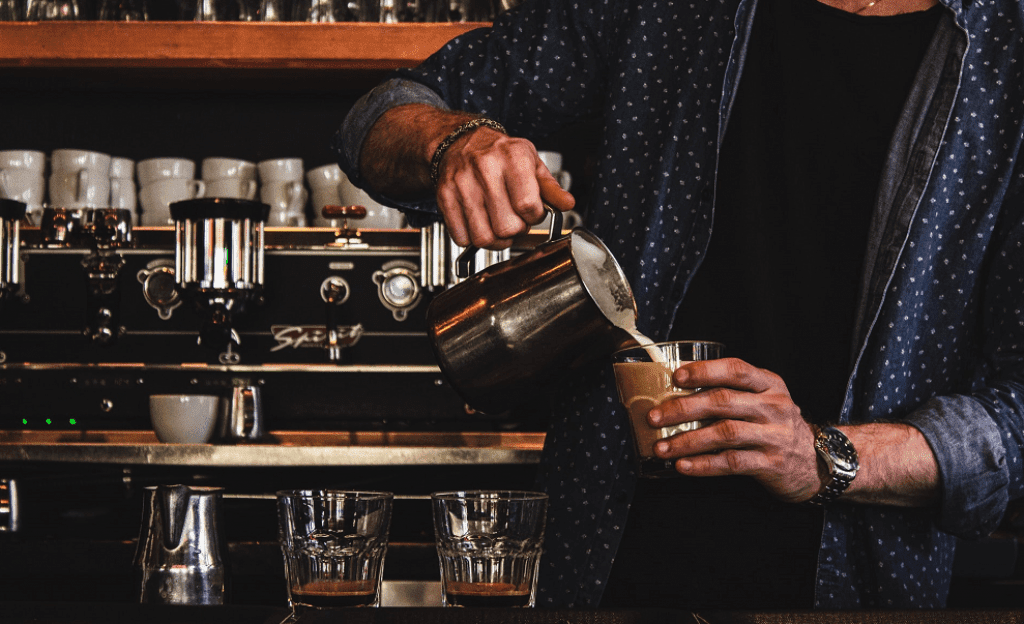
(86, 613)
(282, 448)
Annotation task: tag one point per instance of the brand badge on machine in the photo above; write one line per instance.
(312, 336)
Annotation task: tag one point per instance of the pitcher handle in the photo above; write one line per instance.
(466, 257)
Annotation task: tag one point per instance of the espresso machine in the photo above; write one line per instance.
(328, 322)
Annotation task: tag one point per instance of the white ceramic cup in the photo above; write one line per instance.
(153, 169)
(156, 198)
(74, 160)
(280, 170)
(82, 188)
(377, 216)
(26, 186)
(184, 418)
(123, 194)
(325, 190)
(216, 167)
(553, 161)
(28, 160)
(287, 201)
(122, 168)
(237, 188)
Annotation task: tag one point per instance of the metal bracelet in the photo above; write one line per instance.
(442, 148)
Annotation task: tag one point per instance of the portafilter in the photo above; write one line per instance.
(219, 263)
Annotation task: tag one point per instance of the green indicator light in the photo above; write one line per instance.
(49, 422)
(72, 421)
(24, 421)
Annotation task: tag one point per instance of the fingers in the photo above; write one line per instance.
(725, 373)
(756, 429)
(552, 193)
(492, 189)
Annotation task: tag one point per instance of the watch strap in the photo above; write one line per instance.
(840, 457)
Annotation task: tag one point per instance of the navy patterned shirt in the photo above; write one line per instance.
(939, 333)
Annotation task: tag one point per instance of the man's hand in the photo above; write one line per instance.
(758, 430)
(761, 433)
(491, 187)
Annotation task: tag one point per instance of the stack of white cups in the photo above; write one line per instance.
(79, 179)
(22, 178)
(281, 188)
(163, 181)
(229, 177)
(331, 187)
(122, 186)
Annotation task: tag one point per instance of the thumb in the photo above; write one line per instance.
(554, 195)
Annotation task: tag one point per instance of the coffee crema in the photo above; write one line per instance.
(465, 594)
(330, 594)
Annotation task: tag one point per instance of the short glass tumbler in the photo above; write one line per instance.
(644, 379)
(334, 544)
(489, 546)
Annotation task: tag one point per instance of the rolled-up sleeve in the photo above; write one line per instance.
(972, 463)
(367, 110)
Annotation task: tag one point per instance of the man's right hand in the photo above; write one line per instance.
(491, 187)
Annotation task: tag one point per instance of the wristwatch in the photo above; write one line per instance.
(841, 458)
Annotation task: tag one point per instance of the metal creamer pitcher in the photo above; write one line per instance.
(518, 328)
(180, 557)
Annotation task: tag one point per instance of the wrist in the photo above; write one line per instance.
(442, 146)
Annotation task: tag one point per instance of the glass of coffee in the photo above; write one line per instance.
(644, 379)
(334, 544)
(489, 546)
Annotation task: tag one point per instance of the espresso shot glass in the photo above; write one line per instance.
(489, 546)
(643, 376)
(334, 543)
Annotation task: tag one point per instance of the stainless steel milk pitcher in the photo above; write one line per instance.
(180, 557)
(516, 329)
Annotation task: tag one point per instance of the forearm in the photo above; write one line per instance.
(897, 466)
(396, 153)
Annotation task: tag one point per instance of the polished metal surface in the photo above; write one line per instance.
(63, 227)
(110, 227)
(242, 419)
(219, 263)
(282, 448)
(181, 555)
(513, 331)
(11, 214)
(10, 514)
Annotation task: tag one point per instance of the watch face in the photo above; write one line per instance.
(844, 456)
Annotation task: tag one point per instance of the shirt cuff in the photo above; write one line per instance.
(972, 464)
(368, 109)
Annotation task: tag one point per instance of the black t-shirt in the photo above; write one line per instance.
(819, 99)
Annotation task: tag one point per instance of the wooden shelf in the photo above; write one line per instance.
(279, 45)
